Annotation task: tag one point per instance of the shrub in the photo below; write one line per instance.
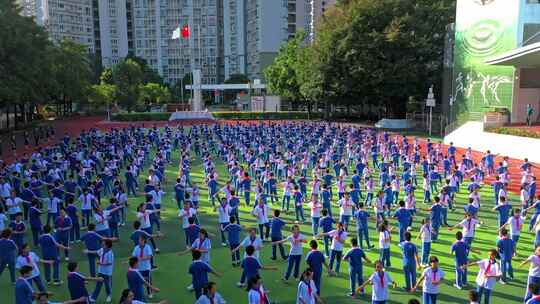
(148, 116)
(514, 132)
(138, 116)
(265, 115)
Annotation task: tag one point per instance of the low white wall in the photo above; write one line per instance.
(472, 134)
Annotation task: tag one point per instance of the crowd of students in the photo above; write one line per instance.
(83, 184)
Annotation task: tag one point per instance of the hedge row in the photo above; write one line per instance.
(265, 115)
(220, 115)
(514, 131)
(141, 116)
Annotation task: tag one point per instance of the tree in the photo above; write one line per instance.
(282, 74)
(127, 76)
(385, 50)
(71, 73)
(154, 94)
(378, 53)
(149, 74)
(24, 67)
(101, 95)
(106, 76)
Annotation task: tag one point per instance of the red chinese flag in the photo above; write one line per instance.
(185, 31)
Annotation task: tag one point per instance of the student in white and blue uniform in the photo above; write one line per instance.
(432, 279)
(143, 252)
(29, 258)
(105, 271)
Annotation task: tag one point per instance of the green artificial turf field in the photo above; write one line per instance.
(172, 277)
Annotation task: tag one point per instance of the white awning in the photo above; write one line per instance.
(523, 57)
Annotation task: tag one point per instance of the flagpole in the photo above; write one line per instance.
(191, 59)
(200, 58)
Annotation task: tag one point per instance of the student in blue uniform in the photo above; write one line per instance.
(63, 226)
(114, 209)
(233, 235)
(276, 234)
(136, 281)
(410, 261)
(435, 210)
(72, 212)
(315, 260)
(24, 292)
(34, 216)
(49, 251)
(327, 224)
(251, 266)
(404, 218)
(506, 249)
(8, 254)
(503, 210)
(362, 216)
(77, 283)
(92, 243)
(355, 256)
(199, 271)
(460, 250)
(18, 230)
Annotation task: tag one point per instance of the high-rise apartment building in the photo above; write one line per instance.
(111, 34)
(234, 37)
(317, 9)
(226, 36)
(155, 20)
(63, 19)
(254, 30)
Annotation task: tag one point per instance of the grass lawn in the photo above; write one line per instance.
(172, 277)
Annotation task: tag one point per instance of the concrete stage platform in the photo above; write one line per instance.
(472, 134)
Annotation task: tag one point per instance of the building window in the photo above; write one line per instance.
(531, 33)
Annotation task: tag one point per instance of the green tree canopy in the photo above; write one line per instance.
(148, 74)
(154, 94)
(127, 76)
(373, 52)
(282, 74)
(71, 71)
(101, 95)
(23, 57)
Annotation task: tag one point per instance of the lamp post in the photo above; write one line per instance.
(430, 102)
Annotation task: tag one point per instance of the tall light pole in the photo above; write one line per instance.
(430, 102)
